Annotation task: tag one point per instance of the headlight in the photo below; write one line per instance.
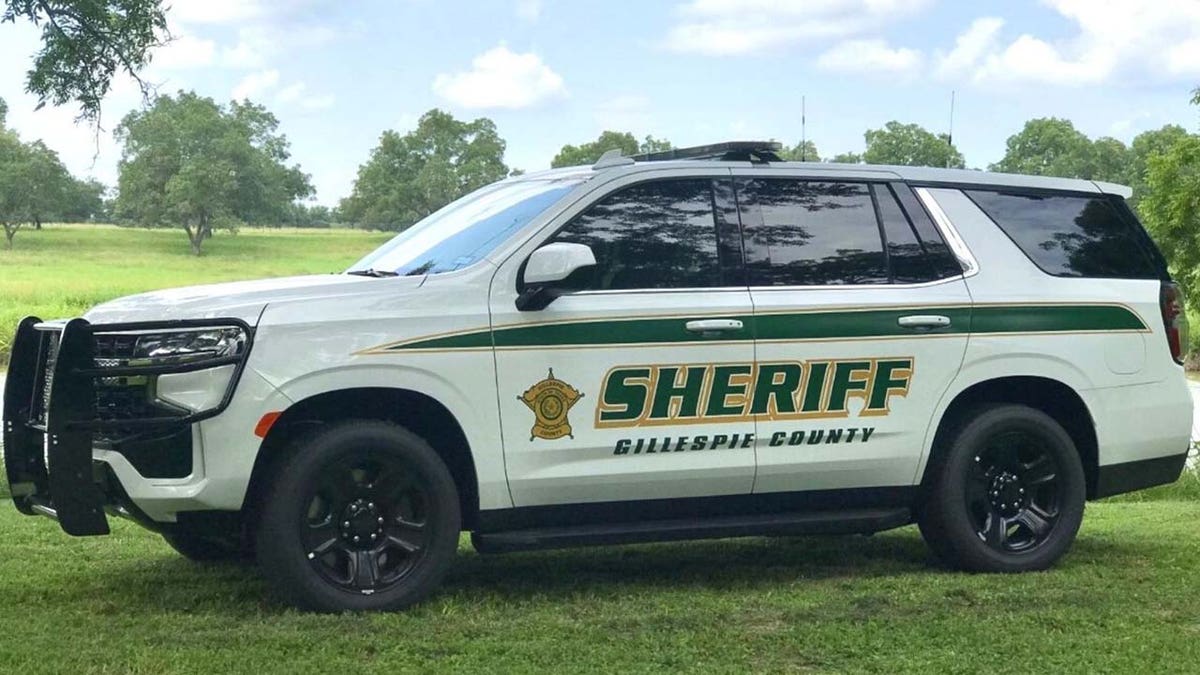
(176, 370)
(188, 345)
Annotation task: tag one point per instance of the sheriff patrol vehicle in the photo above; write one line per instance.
(700, 343)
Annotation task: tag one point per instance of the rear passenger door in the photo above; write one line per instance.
(861, 320)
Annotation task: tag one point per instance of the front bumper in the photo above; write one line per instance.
(57, 410)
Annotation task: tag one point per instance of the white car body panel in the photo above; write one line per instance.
(321, 334)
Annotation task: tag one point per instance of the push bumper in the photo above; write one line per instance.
(53, 421)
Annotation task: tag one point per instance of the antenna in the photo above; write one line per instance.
(950, 136)
(803, 136)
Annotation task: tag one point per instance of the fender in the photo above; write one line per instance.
(977, 371)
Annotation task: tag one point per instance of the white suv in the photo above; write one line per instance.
(701, 343)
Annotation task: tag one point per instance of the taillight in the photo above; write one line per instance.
(1170, 301)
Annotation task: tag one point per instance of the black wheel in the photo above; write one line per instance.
(207, 548)
(363, 516)
(1008, 494)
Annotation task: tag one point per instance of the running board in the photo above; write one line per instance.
(860, 521)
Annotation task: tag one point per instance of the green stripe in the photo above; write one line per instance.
(1053, 318)
(798, 326)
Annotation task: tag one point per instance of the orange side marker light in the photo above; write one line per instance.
(264, 425)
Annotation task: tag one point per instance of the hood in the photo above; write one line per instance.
(240, 299)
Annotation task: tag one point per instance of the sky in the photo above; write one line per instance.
(550, 72)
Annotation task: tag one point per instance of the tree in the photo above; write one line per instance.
(802, 152)
(910, 145)
(3, 113)
(1047, 146)
(409, 177)
(14, 192)
(1108, 160)
(47, 181)
(1144, 146)
(1171, 211)
(85, 43)
(84, 201)
(588, 153)
(192, 163)
(847, 158)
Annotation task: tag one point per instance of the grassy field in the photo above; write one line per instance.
(1122, 601)
(65, 269)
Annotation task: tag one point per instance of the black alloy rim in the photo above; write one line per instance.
(1013, 492)
(366, 524)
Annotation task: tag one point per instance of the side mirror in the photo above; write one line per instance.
(547, 269)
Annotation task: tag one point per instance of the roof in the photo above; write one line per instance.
(763, 153)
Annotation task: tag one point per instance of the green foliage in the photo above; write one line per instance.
(1171, 211)
(1050, 146)
(85, 43)
(846, 158)
(189, 162)
(3, 113)
(588, 153)
(801, 152)
(409, 177)
(910, 145)
(1144, 146)
(33, 184)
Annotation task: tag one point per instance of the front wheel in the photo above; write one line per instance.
(1008, 494)
(362, 516)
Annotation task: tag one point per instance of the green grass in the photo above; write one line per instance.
(63, 270)
(1122, 601)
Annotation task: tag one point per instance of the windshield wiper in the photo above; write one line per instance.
(372, 272)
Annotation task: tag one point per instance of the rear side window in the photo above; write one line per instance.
(661, 234)
(810, 233)
(913, 260)
(1070, 235)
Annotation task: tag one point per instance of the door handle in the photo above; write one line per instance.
(713, 325)
(924, 321)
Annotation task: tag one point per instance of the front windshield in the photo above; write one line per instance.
(466, 230)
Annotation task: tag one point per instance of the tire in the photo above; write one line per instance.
(1007, 495)
(199, 548)
(363, 516)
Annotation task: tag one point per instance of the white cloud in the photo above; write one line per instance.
(529, 10)
(256, 84)
(216, 11)
(184, 51)
(291, 93)
(1133, 38)
(721, 27)
(979, 38)
(869, 56)
(500, 78)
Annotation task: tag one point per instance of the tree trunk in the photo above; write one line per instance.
(195, 237)
(9, 233)
(37, 222)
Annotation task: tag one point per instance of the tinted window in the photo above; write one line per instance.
(942, 261)
(652, 235)
(1067, 235)
(905, 254)
(808, 233)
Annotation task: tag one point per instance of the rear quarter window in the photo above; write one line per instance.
(1071, 235)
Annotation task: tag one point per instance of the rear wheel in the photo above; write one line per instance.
(363, 516)
(1008, 495)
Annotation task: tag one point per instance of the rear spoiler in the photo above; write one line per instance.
(1113, 188)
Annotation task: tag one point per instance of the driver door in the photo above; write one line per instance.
(632, 387)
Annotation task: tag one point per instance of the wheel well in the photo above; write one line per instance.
(1052, 397)
(420, 414)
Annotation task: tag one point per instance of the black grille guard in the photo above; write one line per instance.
(50, 415)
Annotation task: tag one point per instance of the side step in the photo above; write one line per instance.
(859, 521)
